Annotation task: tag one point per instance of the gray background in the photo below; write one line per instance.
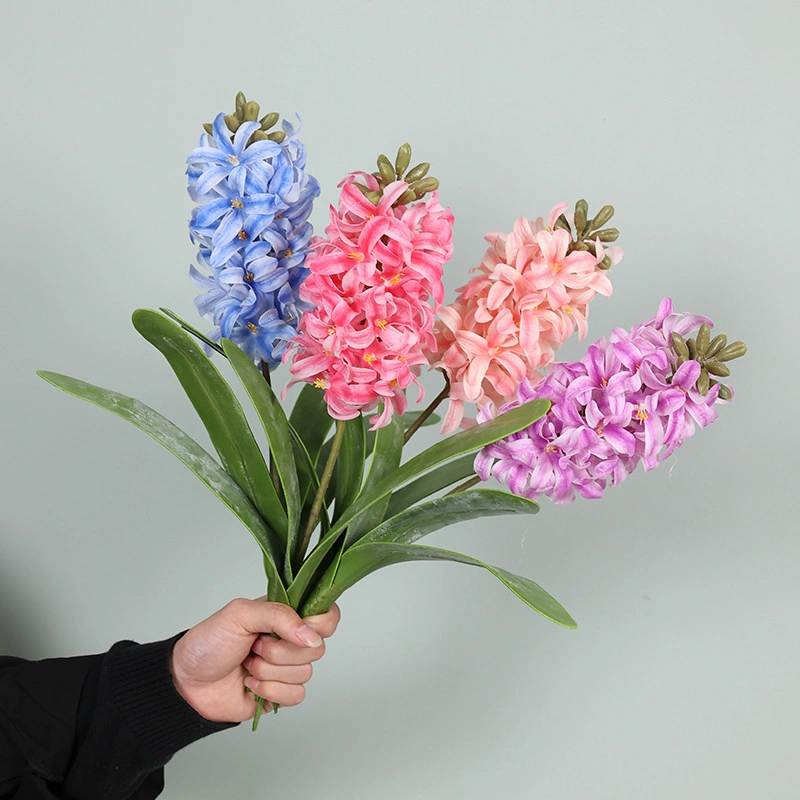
(681, 680)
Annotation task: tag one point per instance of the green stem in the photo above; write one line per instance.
(418, 422)
(319, 499)
(273, 471)
(468, 484)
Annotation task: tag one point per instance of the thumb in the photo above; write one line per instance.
(264, 616)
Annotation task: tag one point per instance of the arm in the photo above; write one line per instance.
(138, 704)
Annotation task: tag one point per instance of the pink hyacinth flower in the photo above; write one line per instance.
(507, 322)
(375, 284)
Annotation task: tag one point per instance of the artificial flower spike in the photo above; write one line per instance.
(532, 292)
(632, 399)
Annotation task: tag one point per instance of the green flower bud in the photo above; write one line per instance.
(679, 346)
(251, 110)
(703, 381)
(692, 345)
(420, 171)
(733, 350)
(605, 263)
(716, 344)
(580, 246)
(241, 102)
(602, 216)
(408, 196)
(606, 235)
(681, 361)
(715, 368)
(724, 392)
(403, 159)
(373, 197)
(232, 122)
(591, 248)
(424, 185)
(703, 338)
(276, 136)
(268, 120)
(386, 169)
(208, 128)
(581, 211)
(562, 223)
(256, 136)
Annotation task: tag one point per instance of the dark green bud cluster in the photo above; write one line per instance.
(417, 178)
(588, 230)
(711, 354)
(248, 111)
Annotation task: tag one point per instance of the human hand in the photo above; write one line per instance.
(214, 661)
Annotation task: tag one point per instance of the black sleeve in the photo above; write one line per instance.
(94, 727)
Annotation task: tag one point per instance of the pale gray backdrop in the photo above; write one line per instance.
(681, 680)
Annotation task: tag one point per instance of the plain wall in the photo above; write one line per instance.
(681, 680)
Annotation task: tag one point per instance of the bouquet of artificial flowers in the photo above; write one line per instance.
(355, 315)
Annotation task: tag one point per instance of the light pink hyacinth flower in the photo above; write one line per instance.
(508, 321)
(375, 283)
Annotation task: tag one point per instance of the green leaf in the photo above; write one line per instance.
(191, 454)
(189, 329)
(350, 464)
(361, 560)
(456, 445)
(311, 420)
(434, 481)
(220, 411)
(276, 427)
(386, 455)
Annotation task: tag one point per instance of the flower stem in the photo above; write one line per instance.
(319, 499)
(468, 484)
(419, 421)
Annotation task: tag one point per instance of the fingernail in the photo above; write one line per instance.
(308, 637)
(257, 645)
(250, 682)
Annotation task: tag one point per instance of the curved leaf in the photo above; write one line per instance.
(430, 483)
(386, 455)
(311, 420)
(350, 465)
(220, 411)
(191, 454)
(276, 428)
(456, 445)
(361, 560)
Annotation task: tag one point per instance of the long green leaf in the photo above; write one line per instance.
(276, 427)
(191, 329)
(430, 483)
(361, 560)
(311, 420)
(191, 454)
(456, 445)
(350, 464)
(386, 455)
(220, 411)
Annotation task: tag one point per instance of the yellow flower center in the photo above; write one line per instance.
(321, 383)
(551, 448)
(356, 256)
(287, 253)
(242, 235)
(370, 357)
(249, 276)
(331, 331)
(233, 159)
(641, 413)
(252, 327)
(381, 323)
(237, 203)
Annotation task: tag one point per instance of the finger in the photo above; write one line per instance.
(325, 624)
(262, 616)
(264, 671)
(281, 652)
(284, 694)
